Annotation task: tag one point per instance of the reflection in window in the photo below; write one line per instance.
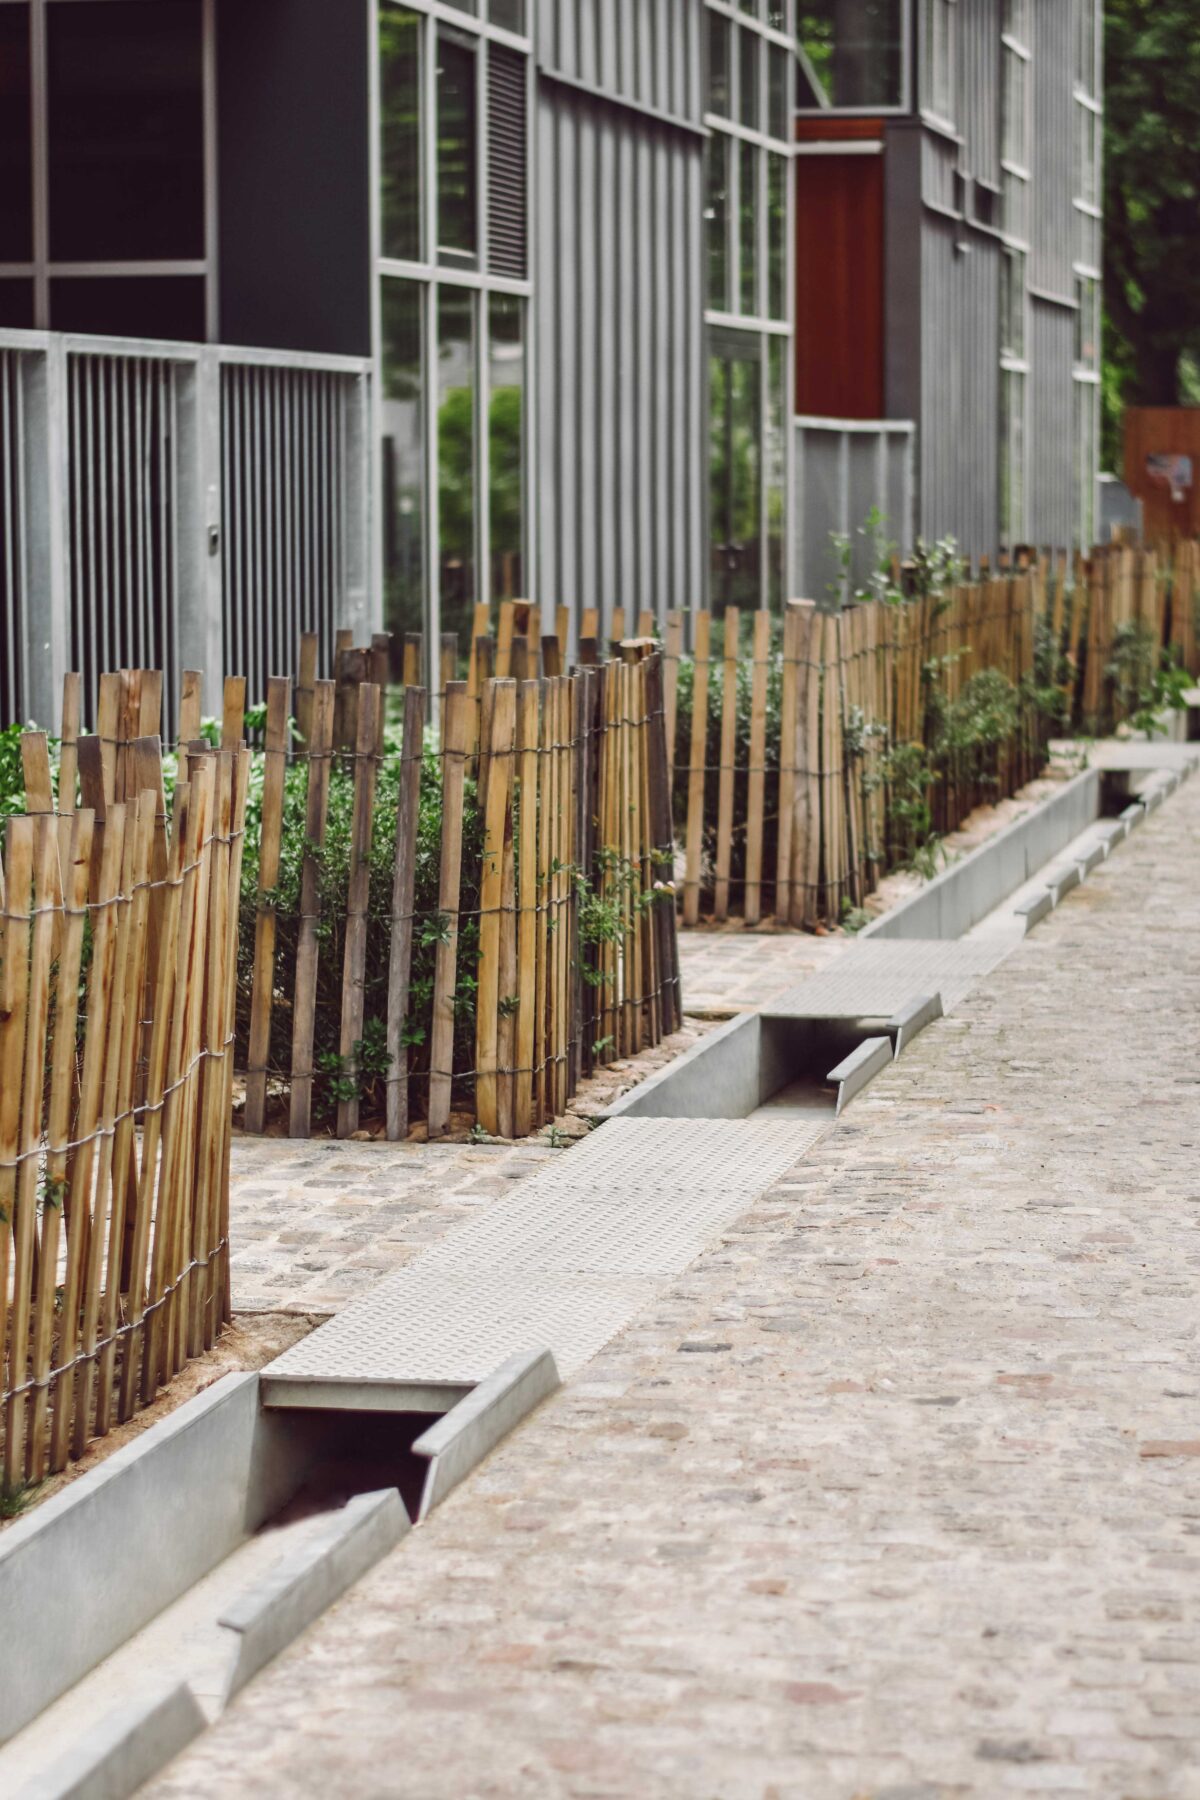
(126, 130)
(716, 213)
(458, 229)
(775, 467)
(1012, 456)
(402, 420)
(735, 374)
(851, 52)
(777, 174)
(748, 213)
(510, 14)
(1012, 303)
(456, 457)
(1087, 323)
(778, 64)
(939, 58)
(16, 162)
(749, 45)
(506, 403)
(719, 30)
(400, 132)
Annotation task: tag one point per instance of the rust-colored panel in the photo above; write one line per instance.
(839, 279)
(1163, 431)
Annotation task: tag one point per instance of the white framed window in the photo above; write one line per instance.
(853, 57)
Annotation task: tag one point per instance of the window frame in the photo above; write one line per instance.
(433, 276)
(41, 269)
(902, 108)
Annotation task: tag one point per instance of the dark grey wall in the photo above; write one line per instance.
(622, 445)
(960, 384)
(293, 173)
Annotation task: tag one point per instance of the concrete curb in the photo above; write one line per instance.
(912, 1019)
(476, 1425)
(1113, 831)
(1133, 814)
(1035, 910)
(125, 1750)
(861, 1066)
(962, 895)
(1060, 881)
(298, 1590)
(1090, 858)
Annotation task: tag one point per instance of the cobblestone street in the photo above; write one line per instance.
(894, 1496)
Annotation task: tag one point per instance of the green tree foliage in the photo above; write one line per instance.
(1152, 201)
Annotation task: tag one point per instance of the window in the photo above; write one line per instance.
(720, 32)
(1087, 323)
(400, 132)
(402, 409)
(102, 165)
(1012, 304)
(748, 79)
(717, 155)
(777, 186)
(748, 212)
(1012, 457)
(852, 54)
(16, 146)
(457, 152)
(506, 443)
(453, 354)
(938, 84)
(1014, 109)
(456, 449)
(1087, 40)
(735, 469)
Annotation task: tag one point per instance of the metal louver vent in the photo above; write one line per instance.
(506, 162)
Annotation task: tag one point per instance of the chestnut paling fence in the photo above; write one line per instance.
(811, 755)
(117, 1000)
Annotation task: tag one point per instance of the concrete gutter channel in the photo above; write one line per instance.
(213, 1527)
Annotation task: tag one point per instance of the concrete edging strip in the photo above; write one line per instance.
(476, 1425)
(124, 1750)
(1060, 881)
(301, 1586)
(861, 1066)
(1133, 814)
(913, 1018)
(1090, 857)
(1034, 910)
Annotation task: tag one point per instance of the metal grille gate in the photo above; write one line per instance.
(174, 506)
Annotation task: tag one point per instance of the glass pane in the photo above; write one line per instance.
(1014, 108)
(775, 466)
(456, 458)
(509, 14)
(126, 130)
(458, 228)
(16, 305)
(735, 376)
(777, 169)
(400, 132)
(778, 65)
(719, 30)
(506, 404)
(153, 306)
(777, 14)
(854, 49)
(717, 214)
(16, 166)
(749, 45)
(402, 427)
(748, 233)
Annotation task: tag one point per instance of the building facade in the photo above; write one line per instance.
(371, 314)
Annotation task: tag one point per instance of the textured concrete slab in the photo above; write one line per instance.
(877, 976)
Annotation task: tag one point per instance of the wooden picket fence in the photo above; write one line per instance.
(778, 768)
(1119, 586)
(542, 916)
(118, 962)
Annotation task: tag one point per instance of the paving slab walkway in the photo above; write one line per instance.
(895, 1495)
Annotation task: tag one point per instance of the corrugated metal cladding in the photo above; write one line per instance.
(619, 297)
(1051, 499)
(647, 51)
(1052, 106)
(960, 330)
(506, 162)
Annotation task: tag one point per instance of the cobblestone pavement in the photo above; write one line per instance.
(894, 1496)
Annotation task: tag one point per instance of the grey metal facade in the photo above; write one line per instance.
(619, 279)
